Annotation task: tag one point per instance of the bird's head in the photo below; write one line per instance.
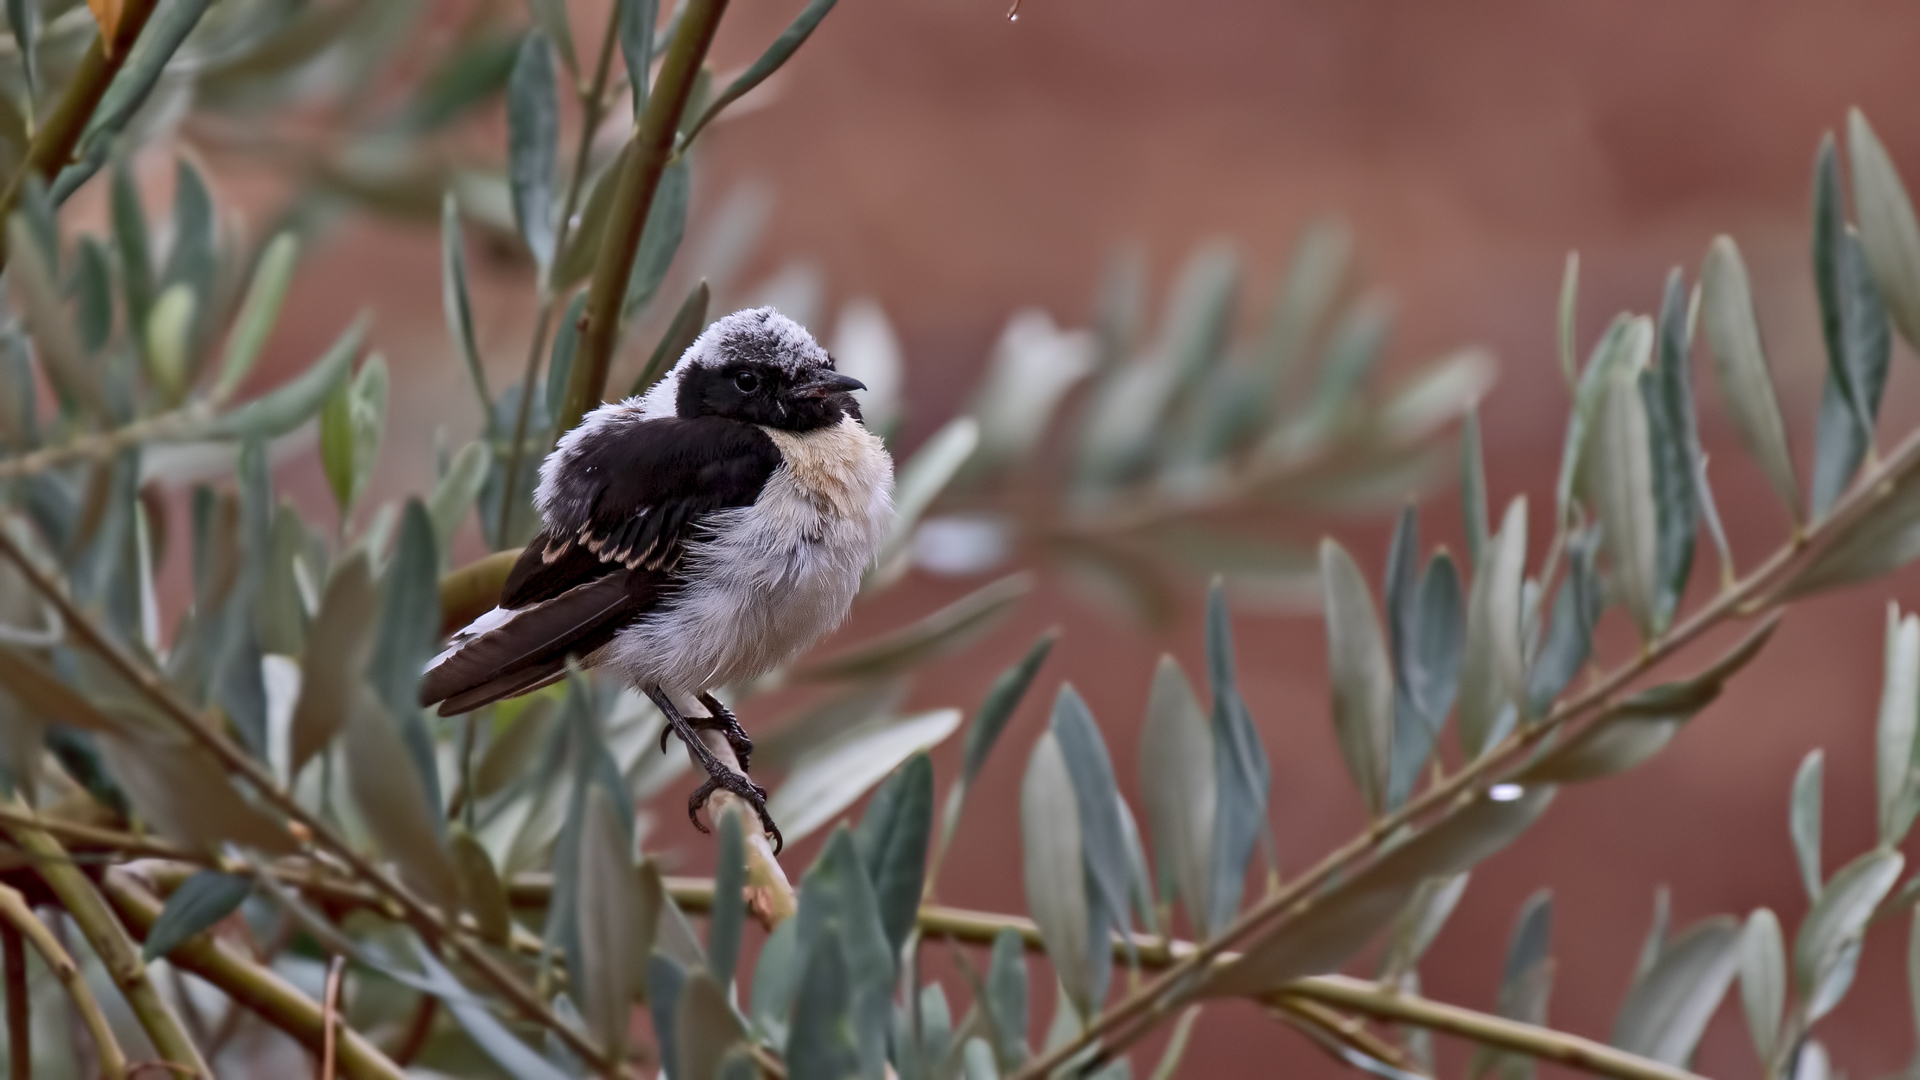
(760, 367)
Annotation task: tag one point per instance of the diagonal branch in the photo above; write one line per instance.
(19, 919)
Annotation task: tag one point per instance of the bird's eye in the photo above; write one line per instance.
(747, 382)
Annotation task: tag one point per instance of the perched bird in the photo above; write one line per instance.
(696, 536)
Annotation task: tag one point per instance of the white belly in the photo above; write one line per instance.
(774, 577)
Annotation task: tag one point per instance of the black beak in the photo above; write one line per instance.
(829, 382)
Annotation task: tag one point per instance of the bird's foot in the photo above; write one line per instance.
(721, 720)
(753, 794)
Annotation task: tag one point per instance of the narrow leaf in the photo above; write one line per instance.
(729, 901)
(1056, 883)
(1178, 784)
(1489, 673)
(1833, 929)
(338, 644)
(1622, 471)
(1473, 486)
(1804, 820)
(1103, 845)
(687, 323)
(456, 300)
(1240, 768)
(533, 145)
(827, 780)
(199, 904)
(1763, 980)
(893, 838)
(608, 911)
(1740, 367)
(1362, 679)
(294, 402)
(1006, 999)
(1667, 1009)
(778, 53)
(1888, 230)
(258, 313)
(1894, 735)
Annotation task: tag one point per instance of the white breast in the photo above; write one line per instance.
(773, 577)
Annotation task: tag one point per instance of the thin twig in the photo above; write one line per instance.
(253, 985)
(19, 1009)
(1345, 1029)
(22, 925)
(330, 1015)
(639, 178)
(52, 147)
(110, 943)
(438, 929)
(97, 445)
(592, 112)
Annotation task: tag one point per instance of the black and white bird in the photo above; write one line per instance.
(696, 536)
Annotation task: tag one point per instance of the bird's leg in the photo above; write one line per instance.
(720, 719)
(719, 775)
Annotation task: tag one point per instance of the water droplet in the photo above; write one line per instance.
(1505, 792)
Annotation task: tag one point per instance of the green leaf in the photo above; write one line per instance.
(1102, 834)
(1803, 821)
(666, 980)
(407, 631)
(945, 631)
(1429, 675)
(23, 19)
(533, 145)
(1178, 785)
(607, 914)
(1576, 610)
(551, 17)
(566, 343)
(39, 693)
(1845, 433)
(778, 53)
(827, 780)
(1667, 1009)
(454, 494)
(338, 645)
(1621, 465)
(1569, 299)
(258, 313)
(168, 348)
(1003, 697)
(1006, 999)
(1057, 884)
(925, 475)
(356, 438)
(193, 259)
(776, 979)
(481, 893)
(1822, 967)
(75, 378)
(1473, 486)
(1589, 393)
(1344, 917)
(705, 1029)
(892, 839)
(1763, 980)
(289, 405)
(729, 901)
(198, 905)
(823, 1043)
(1888, 230)
(393, 799)
(1635, 729)
(1361, 676)
(688, 321)
(1894, 735)
(1240, 768)
(1418, 924)
(187, 798)
(130, 238)
(92, 286)
(513, 1056)
(457, 300)
(1176, 1049)
(129, 90)
(1679, 481)
(1740, 367)
(1490, 669)
(1525, 985)
(660, 239)
(836, 893)
(637, 19)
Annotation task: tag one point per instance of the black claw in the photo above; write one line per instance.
(754, 794)
(719, 775)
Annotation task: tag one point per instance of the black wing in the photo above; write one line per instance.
(622, 509)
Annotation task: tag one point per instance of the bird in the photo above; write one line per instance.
(695, 536)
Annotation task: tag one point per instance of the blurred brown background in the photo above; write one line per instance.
(957, 165)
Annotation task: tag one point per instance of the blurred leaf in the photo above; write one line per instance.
(187, 798)
(146, 62)
(551, 17)
(1344, 917)
(515, 736)
(338, 645)
(1361, 677)
(589, 226)
(608, 911)
(637, 18)
(393, 800)
(193, 259)
(1674, 455)
(481, 893)
(130, 241)
(1622, 470)
(1854, 324)
(1888, 231)
(1633, 730)
(892, 839)
(1666, 1011)
(566, 343)
(857, 708)
(688, 321)
(1418, 924)
(1181, 793)
(776, 979)
(455, 298)
(470, 74)
(925, 475)
(1569, 299)
(1804, 819)
(258, 313)
(1056, 879)
(1882, 539)
(1473, 487)
(23, 18)
(1763, 979)
(778, 53)
(1525, 984)
(92, 287)
(169, 329)
(56, 344)
(704, 1028)
(41, 695)
(1894, 734)
(198, 905)
(1176, 1048)
(1610, 354)
(1006, 1000)
(729, 901)
(945, 631)
(836, 895)
(352, 426)
(533, 144)
(513, 1056)
(405, 635)
(1240, 768)
(1740, 367)
(1103, 843)
(996, 709)
(823, 1042)
(1576, 609)
(1821, 965)
(665, 982)
(660, 239)
(286, 407)
(1490, 668)
(828, 780)
(454, 494)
